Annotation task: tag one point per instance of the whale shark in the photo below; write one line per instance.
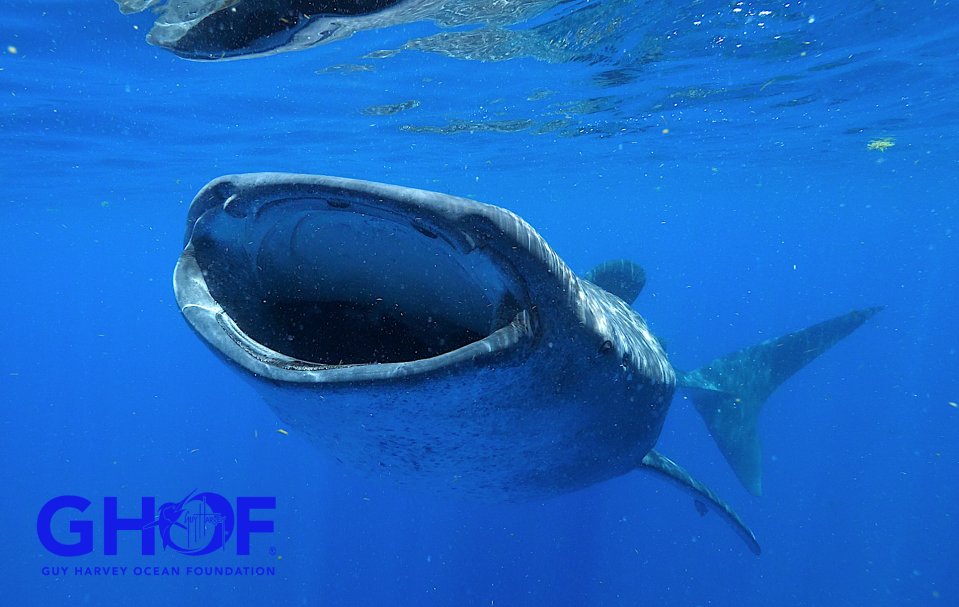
(441, 344)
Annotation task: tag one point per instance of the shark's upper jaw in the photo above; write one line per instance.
(292, 280)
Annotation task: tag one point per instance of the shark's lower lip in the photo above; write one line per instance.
(341, 283)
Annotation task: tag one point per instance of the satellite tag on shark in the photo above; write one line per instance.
(439, 342)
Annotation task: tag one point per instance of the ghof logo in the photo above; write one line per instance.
(207, 516)
(196, 525)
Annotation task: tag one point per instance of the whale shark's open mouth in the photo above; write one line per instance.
(332, 277)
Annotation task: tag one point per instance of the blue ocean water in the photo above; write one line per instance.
(724, 146)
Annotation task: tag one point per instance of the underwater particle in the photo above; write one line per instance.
(12, 50)
(282, 431)
(881, 144)
(954, 404)
(104, 204)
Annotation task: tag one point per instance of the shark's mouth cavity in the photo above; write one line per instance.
(340, 281)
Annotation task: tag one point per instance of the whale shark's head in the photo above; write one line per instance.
(345, 279)
(320, 279)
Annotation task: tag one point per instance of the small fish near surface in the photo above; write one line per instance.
(440, 342)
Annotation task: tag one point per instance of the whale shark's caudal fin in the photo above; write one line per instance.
(730, 391)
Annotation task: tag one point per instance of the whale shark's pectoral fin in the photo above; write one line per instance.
(730, 391)
(704, 496)
(621, 277)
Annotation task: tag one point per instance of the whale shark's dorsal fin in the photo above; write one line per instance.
(730, 391)
(704, 496)
(621, 277)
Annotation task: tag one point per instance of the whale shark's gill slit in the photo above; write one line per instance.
(370, 286)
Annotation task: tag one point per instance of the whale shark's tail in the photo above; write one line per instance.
(730, 391)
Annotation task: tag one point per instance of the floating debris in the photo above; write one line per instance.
(881, 144)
